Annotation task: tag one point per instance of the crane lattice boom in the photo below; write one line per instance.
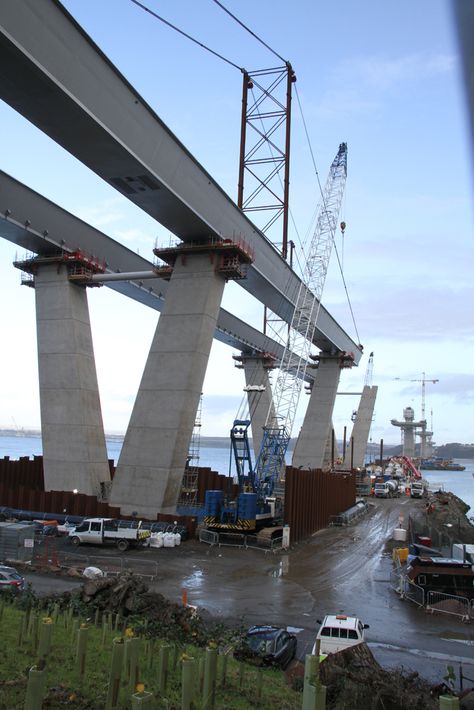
(288, 384)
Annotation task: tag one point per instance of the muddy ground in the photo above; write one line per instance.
(337, 570)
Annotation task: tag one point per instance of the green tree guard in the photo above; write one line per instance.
(104, 630)
(142, 700)
(133, 655)
(74, 628)
(241, 675)
(109, 621)
(113, 691)
(117, 622)
(163, 661)
(188, 683)
(45, 635)
(259, 684)
(202, 663)
(225, 658)
(55, 613)
(33, 630)
(35, 690)
(97, 617)
(314, 694)
(210, 673)
(448, 702)
(150, 653)
(81, 651)
(21, 629)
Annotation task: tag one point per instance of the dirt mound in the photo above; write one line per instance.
(355, 680)
(150, 613)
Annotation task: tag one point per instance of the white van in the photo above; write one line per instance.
(338, 632)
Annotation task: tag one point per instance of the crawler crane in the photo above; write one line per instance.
(256, 504)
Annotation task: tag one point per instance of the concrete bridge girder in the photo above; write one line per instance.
(52, 73)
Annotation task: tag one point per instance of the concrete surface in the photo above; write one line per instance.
(361, 428)
(74, 451)
(311, 446)
(152, 460)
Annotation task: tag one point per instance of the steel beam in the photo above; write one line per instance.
(53, 74)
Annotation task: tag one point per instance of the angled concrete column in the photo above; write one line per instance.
(313, 438)
(361, 428)
(74, 451)
(260, 402)
(151, 465)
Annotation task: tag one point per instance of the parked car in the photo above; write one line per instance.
(11, 579)
(65, 528)
(338, 632)
(269, 645)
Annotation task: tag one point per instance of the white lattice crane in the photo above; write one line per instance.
(291, 373)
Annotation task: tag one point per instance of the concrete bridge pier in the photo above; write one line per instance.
(74, 450)
(150, 469)
(312, 444)
(256, 368)
(361, 427)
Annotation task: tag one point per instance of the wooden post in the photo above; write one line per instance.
(113, 691)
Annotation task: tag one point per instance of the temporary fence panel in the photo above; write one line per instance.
(448, 604)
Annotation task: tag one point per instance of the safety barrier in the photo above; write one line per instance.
(208, 537)
(396, 579)
(239, 540)
(412, 591)
(449, 604)
(111, 565)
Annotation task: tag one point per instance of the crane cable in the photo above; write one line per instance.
(181, 32)
(250, 32)
(322, 196)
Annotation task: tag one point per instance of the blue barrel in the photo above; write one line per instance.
(213, 502)
(247, 506)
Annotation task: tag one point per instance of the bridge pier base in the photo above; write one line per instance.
(74, 450)
(362, 423)
(152, 461)
(311, 446)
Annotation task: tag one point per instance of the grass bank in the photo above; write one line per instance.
(83, 681)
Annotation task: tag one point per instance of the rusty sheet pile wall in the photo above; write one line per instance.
(312, 497)
(209, 480)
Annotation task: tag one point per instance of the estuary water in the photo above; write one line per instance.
(461, 483)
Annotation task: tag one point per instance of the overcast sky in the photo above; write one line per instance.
(385, 77)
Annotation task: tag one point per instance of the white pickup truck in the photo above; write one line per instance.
(101, 531)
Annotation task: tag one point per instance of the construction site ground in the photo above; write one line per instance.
(338, 570)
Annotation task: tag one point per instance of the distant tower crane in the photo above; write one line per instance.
(424, 434)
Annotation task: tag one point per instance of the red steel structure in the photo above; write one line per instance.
(265, 147)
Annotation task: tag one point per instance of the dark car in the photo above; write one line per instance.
(10, 579)
(268, 645)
